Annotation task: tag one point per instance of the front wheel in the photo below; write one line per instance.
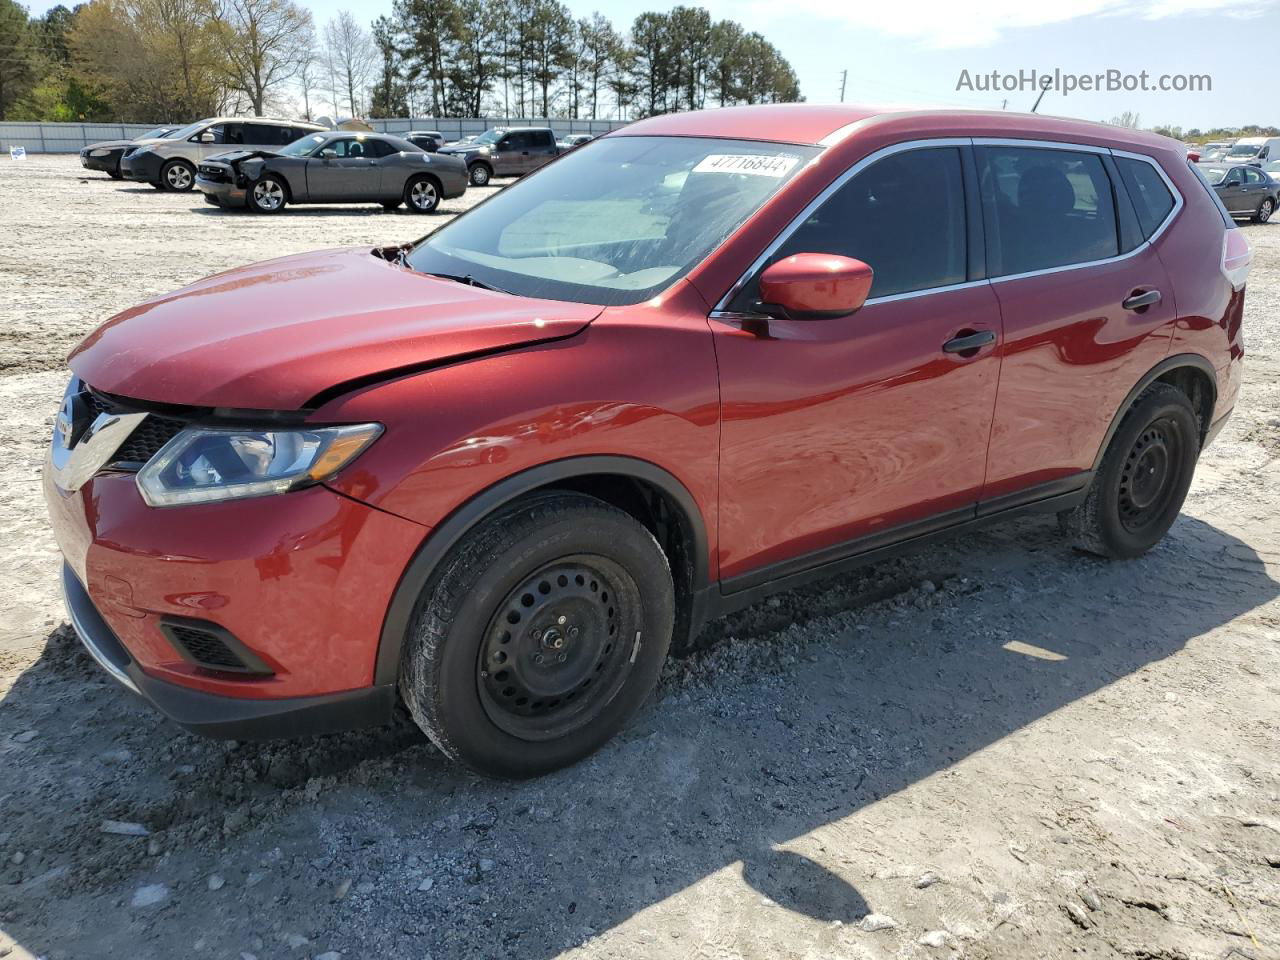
(1143, 479)
(1265, 209)
(267, 195)
(539, 636)
(480, 175)
(177, 176)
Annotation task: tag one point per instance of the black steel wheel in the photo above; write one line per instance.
(1142, 481)
(539, 635)
(554, 654)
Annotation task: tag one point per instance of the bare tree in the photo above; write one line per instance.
(351, 57)
(309, 68)
(261, 40)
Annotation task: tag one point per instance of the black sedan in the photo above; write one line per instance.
(333, 167)
(105, 156)
(1243, 189)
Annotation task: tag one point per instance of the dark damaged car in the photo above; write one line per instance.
(336, 167)
(105, 156)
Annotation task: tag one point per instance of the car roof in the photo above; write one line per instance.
(292, 123)
(829, 123)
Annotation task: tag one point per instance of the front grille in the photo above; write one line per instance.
(147, 438)
(212, 647)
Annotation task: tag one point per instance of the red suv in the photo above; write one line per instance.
(495, 473)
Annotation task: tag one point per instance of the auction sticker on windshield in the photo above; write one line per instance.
(775, 166)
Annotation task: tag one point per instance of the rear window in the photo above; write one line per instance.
(1045, 208)
(1151, 197)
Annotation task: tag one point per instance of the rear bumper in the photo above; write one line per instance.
(216, 716)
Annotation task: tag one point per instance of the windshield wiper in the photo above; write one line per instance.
(469, 280)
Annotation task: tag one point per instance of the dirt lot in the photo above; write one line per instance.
(993, 749)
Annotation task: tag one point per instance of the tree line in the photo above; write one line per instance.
(157, 61)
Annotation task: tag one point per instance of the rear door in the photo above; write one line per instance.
(542, 148)
(866, 426)
(1076, 338)
(1256, 186)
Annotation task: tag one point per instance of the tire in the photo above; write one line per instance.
(1143, 479)
(177, 176)
(389, 205)
(539, 635)
(1265, 209)
(267, 194)
(480, 174)
(422, 194)
(115, 174)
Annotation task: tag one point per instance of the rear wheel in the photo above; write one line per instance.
(177, 176)
(539, 636)
(267, 195)
(1143, 479)
(422, 194)
(480, 174)
(1265, 209)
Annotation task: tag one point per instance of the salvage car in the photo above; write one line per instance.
(428, 140)
(335, 167)
(105, 156)
(506, 152)
(493, 475)
(170, 164)
(1244, 189)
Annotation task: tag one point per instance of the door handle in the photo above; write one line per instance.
(1140, 301)
(969, 342)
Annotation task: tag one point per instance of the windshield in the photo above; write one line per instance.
(615, 222)
(489, 136)
(190, 130)
(1214, 175)
(1245, 150)
(159, 133)
(303, 146)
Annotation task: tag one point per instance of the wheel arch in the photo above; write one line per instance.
(651, 494)
(1191, 373)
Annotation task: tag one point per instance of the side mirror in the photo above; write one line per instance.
(207, 137)
(814, 286)
(328, 153)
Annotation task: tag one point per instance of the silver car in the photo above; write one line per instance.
(333, 167)
(170, 164)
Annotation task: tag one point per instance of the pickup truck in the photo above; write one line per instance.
(506, 152)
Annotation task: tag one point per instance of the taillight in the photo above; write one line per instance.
(1236, 257)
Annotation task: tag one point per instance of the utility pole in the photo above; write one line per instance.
(844, 78)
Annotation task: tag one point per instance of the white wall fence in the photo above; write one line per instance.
(70, 137)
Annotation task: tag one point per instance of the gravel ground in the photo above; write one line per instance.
(991, 749)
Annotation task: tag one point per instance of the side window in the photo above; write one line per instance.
(543, 138)
(517, 141)
(341, 147)
(1252, 175)
(378, 148)
(1151, 198)
(904, 216)
(1045, 208)
(233, 133)
(217, 131)
(1233, 178)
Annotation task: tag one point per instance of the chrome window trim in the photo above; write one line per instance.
(722, 312)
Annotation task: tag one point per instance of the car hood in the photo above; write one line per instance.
(275, 335)
(109, 145)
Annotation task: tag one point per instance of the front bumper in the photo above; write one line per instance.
(141, 167)
(219, 716)
(221, 192)
(106, 164)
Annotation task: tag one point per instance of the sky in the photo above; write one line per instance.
(918, 53)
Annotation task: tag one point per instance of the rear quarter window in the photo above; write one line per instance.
(1151, 197)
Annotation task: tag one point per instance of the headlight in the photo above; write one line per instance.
(202, 465)
(98, 153)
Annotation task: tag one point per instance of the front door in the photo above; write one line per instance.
(341, 172)
(839, 433)
(511, 154)
(1231, 191)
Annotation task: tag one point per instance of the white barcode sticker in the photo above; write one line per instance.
(760, 166)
